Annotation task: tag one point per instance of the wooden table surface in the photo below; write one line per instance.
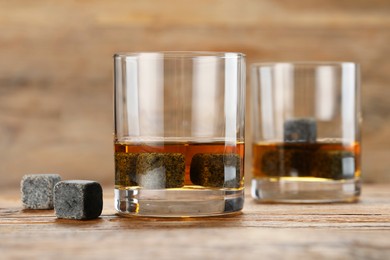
(263, 231)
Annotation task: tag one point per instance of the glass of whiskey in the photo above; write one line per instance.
(179, 133)
(306, 119)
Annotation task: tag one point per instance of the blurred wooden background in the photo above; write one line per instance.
(56, 67)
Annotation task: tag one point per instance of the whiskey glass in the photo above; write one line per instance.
(306, 142)
(179, 133)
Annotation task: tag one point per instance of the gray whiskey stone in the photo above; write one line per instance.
(300, 130)
(78, 199)
(334, 165)
(160, 170)
(216, 170)
(288, 160)
(276, 163)
(125, 168)
(37, 190)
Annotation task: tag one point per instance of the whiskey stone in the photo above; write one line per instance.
(275, 163)
(301, 164)
(37, 190)
(216, 170)
(160, 170)
(287, 162)
(125, 168)
(334, 165)
(301, 130)
(78, 199)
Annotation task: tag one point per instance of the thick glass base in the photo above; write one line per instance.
(183, 202)
(305, 190)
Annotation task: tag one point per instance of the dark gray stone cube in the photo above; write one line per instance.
(289, 160)
(216, 170)
(276, 163)
(125, 168)
(160, 170)
(78, 199)
(334, 165)
(37, 190)
(300, 130)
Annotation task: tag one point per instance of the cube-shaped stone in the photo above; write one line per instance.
(125, 168)
(308, 161)
(300, 130)
(160, 170)
(37, 190)
(289, 160)
(216, 170)
(301, 162)
(334, 165)
(276, 163)
(78, 199)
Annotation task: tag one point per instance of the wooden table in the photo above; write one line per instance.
(262, 231)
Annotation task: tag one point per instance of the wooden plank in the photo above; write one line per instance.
(373, 211)
(337, 231)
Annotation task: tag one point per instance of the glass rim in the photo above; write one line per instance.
(182, 54)
(303, 63)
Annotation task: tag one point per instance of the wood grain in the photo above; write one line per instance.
(56, 68)
(272, 231)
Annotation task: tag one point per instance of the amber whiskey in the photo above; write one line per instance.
(306, 161)
(158, 165)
